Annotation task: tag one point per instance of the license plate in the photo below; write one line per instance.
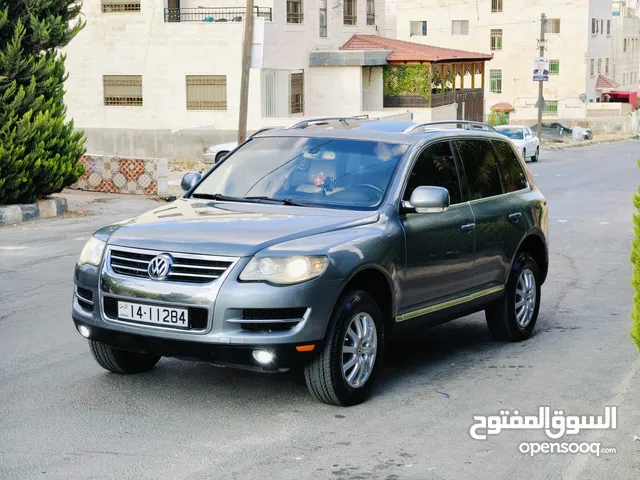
(169, 317)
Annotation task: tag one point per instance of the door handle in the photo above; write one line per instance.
(467, 227)
(515, 217)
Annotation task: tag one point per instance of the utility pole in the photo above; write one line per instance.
(543, 26)
(246, 70)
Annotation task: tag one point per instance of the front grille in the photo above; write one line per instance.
(185, 268)
(197, 315)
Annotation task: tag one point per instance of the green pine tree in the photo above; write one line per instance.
(39, 149)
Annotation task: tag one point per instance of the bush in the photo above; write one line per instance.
(39, 149)
(635, 281)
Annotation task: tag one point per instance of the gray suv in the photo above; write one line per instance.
(308, 246)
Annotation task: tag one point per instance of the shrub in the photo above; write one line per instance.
(635, 280)
(39, 149)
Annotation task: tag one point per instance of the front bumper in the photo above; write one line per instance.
(222, 333)
(285, 356)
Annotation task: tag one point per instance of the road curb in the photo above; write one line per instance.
(14, 214)
(588, 143)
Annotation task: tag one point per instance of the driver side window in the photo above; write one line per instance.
(435, 167)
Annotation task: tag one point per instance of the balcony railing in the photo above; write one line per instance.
(214, 14)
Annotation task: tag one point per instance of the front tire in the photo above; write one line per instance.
(220, 156)
(121, 361)
(344, 372)
(513, 317)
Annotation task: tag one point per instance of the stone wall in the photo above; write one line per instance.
(110, 174)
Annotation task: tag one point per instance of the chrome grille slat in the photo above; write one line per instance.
(187, 268)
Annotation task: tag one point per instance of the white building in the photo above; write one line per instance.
(626, 47)
(579, 44)
(163, 65)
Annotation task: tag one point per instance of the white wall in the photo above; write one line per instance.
(626, 65)
(520, 23)
(372, 88)
(336, 91)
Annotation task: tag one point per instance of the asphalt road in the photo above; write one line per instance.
(62, 417)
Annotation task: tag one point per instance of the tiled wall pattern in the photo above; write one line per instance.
(108, 174)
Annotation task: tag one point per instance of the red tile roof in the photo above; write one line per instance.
(503, 107)
(603, 83)
(410, 52)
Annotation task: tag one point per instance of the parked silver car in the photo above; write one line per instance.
(307, 247)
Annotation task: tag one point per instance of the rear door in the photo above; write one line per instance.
(498, 219)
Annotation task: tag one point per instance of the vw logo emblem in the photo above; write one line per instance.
(159, 267)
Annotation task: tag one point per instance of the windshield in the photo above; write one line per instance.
(514, 133)
(319, 171)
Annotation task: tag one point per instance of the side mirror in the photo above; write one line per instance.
(190, 180)
(429, 200)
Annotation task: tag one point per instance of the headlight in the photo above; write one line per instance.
(284, 270)
(92, 252)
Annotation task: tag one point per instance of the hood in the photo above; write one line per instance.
(227, 228)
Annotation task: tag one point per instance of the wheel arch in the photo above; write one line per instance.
(535, 245)
(378, 282)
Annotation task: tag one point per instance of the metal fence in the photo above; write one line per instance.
(214, 14)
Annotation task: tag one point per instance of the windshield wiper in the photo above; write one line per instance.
(220, 197)
(282, 201)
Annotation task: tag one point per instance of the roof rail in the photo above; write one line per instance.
(311, 121)
(467, 125)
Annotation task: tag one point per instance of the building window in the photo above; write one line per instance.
(599, 65)
(418, 28)
(594, 26)
(496, 6)
(553, 25)
(593, 67)
(496, 39)
(551, 109)
(601, 26)
(122, 90)
(554, 67)
(625, 45)
(120, 6)
(206, 92)
(460, 27)
(606, 65)
(371, 12)
(495, 77)
(350, 12)
(608, 27)
(323, 18)
(294, 11)
(296, 101)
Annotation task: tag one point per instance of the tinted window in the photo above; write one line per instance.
(320, 171)
(435, 167)
(515, 133)
(512, 172)
(480, 167)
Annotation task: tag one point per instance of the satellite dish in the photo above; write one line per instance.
(583, 97)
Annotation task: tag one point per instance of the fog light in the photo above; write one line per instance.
(262, 356)
(84, 331)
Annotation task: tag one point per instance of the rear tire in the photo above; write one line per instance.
(513, 317)
(536, 156)
(344, 372)
(121, 361)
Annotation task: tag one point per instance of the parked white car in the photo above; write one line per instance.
(215, 153)
(524, 139)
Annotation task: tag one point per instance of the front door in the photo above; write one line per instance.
(440, 246)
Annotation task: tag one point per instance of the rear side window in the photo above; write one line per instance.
(512, 172)
(481, 168)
